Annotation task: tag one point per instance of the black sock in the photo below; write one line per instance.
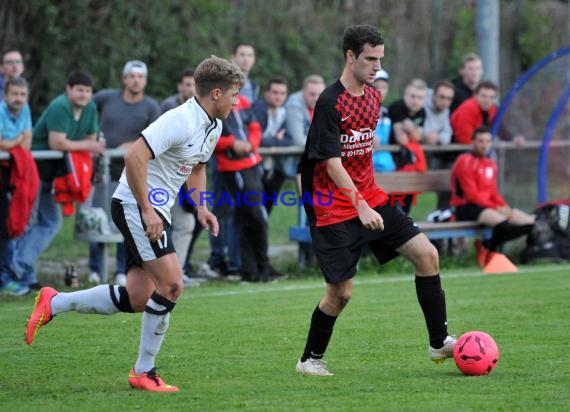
(320, 333)
(504, 232)
(432, 301)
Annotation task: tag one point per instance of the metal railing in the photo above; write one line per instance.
(500, 148)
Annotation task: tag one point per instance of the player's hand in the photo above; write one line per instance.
(431, 138)
(370, 218)
(208, 221)
(519, 141)
(153, 223)
(241, 147)
(97, 146)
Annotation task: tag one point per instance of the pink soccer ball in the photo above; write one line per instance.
(476, 353)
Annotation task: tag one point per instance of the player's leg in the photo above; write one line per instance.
(322, 323)
(430, 294)
(156, 260)
(337, 248)
(521, 218)
(487, 217)
(166, 275)
(504, 229)
(102, 299)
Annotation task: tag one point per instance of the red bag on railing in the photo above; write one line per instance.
(24, 185)
(412, 158)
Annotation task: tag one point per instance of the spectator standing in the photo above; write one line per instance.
(244, 57)
(15, 130)
(123, 114)
(437, 127)
(476, 111)
(437, 131)
(408, 114)
(300, 107)
(239, 169)
(184, 216)
(470, 74)
(408, 117)
(12, 67)
(271, 114)
(68, 124)
(475, 196)
(186, 89)
(170, 151)
(383, 161)
(341, 229)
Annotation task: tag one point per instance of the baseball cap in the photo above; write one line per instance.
(382, 75)
(135, 66)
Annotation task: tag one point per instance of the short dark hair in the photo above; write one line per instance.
(242, 43)
(480, 130)
(15, 82)
(486, 84)
(80, 77)
(355, 37)
(443, 83)
(275, 80)
(188, 72)
(9, 50)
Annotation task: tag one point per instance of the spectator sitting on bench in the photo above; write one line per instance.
(475, 196)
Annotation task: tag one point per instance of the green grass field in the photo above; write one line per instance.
(234, 347)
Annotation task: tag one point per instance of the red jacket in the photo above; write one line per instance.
(24, 185)
(240, 121)
(417, 159)
(474, 180)
(76, 184)
(466, 118)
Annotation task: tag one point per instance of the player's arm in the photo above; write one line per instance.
(368, 216)
(400, 134)
(197, 180)
(136, 162)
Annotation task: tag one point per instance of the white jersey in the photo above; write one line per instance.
(178, 140)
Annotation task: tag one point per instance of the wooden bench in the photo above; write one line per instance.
(430, 181)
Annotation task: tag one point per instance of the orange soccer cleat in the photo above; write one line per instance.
(41, 314)
(149, 381)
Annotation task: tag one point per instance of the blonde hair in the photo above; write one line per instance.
(217, 73)
(313, 79)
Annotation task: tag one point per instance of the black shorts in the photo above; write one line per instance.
(138, 248)
(338, 247)
(469, 211)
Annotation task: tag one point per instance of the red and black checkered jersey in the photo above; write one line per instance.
(343, 126)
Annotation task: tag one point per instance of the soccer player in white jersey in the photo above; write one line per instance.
(172, 150)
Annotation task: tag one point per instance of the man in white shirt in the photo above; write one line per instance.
(172, 150)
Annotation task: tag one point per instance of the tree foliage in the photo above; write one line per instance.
(293, 38)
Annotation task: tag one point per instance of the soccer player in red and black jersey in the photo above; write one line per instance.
(348, 210)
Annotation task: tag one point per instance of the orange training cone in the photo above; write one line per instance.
(499, 263)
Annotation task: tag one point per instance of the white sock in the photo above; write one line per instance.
(153, 329)
(94, 300)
